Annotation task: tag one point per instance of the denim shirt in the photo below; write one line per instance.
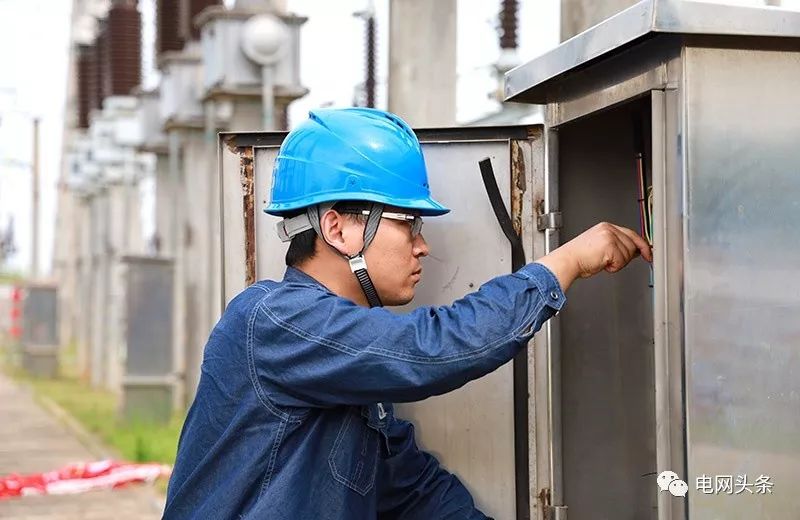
(292, 417)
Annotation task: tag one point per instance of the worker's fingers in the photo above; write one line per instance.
(641, 244)
(606, 247)
(629, 247)
(618, 259)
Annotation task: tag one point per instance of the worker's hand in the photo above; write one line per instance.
(605, 247)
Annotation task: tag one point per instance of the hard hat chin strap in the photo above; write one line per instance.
(358, 264)
(359, 267)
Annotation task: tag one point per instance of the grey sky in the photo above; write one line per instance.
(34, 46)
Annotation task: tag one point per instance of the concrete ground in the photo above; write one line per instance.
(33, 440)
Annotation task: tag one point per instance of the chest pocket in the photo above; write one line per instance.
(354, 457)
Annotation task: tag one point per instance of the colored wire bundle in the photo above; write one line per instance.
(650, 215)
(645, 200)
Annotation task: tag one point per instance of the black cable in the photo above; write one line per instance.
(521, 458)
(500, 212)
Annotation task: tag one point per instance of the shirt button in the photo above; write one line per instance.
(554, 295)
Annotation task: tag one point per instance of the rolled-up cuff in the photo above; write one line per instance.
(547, 283)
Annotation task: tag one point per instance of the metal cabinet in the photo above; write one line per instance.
(40, 330)
(486, 432)
(149, 381)
(698, 374)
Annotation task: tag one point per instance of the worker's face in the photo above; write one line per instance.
(393, 257)
(393, 260)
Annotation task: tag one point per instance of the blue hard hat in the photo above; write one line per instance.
(358, 154)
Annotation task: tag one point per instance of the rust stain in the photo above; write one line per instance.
(539, 207)
(534, 132)
(248, 203)
(517, 185)
(230, 142)
(544, 498)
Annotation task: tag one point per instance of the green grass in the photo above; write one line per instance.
(7, 277)
(96, 410)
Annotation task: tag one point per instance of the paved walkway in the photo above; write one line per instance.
(31, 441)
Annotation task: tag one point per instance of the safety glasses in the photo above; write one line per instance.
(415, 221)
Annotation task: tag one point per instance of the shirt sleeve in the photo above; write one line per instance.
(307, 347)
(413, 486)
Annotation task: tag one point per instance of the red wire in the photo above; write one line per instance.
(640, 184)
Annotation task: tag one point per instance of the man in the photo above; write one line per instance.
(292, 418)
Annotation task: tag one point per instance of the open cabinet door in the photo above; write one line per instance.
(485, 432)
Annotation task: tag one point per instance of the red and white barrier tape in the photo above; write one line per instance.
(81, 477)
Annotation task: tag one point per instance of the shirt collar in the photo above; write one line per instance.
(293, 274)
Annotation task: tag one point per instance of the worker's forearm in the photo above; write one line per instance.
(563, 265)
(343, 353)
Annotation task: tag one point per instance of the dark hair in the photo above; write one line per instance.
(304, 246)
(301, 248)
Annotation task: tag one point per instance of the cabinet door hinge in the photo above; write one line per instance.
(555, 513)
(547, 221)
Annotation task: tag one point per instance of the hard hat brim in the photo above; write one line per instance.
(427, 207)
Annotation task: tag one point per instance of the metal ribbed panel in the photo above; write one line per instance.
(369, 84)
(84, 81)
(508, 24)
(168, 28)
(124, 55)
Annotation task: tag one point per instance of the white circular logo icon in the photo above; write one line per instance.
(665, 478)
(678, 488)
(669, 481)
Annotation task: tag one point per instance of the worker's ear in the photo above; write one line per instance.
(344, 234)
